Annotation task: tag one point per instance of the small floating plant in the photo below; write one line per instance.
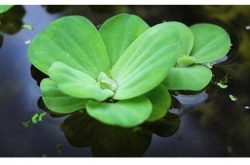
(121, 74)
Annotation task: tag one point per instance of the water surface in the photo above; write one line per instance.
(208, 124)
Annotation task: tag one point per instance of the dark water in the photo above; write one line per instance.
(207, 124)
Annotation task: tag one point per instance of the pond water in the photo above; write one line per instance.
(206, 124)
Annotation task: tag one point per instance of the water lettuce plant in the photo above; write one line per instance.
(121, 73)
(202, 44)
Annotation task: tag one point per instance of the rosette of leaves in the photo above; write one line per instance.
(202, 44)
(114, 73)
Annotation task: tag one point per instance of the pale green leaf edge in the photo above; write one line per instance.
(57, 101)
(119, 32)
(124, 113)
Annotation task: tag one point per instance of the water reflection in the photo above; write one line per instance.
(104, 140)
(37, 75)
(11, 21)
(82, 131)
(229, 120)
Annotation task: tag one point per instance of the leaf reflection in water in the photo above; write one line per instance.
(111, 141)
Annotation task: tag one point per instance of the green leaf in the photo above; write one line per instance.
(161, 101)
(34, 118)
(186, 38)
(57, 101)
(76, 83)
(119, 32)
(185, 61)
(209, 65)
(211, 42)
(72, 40)
(106, 82)
(223, 86)
(232, 97)
(125, 113)
(27, 26)
(194, 77)
(41, 115)
(27, 123)
(147, 61)
(4, 8)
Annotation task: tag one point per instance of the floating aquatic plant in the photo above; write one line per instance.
(116, 72)
(37, 117)
(232, 97)
(201, 43)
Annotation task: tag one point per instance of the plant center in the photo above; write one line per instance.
(185, 61)
(106, 82)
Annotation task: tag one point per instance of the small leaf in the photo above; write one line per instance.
(195, 77)
(119, 32)
(72, 40)
(76, 83)
(185, 61)
(34, 118)
(186, 38)
(209, 65)
(41, 115)
(147, 61)
(232, 97)
(26, 123)
(211, 42)
(161, 101)
(223, 86)
(58, 145)
(57, 101)
(106, 82)
(27, 26)
(125, 113)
